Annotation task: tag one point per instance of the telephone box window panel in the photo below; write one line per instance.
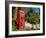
(24, 18)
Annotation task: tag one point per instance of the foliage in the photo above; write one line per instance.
(33, 17)
(13, 25)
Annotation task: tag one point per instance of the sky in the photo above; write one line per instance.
(28, 8)
(35, 9)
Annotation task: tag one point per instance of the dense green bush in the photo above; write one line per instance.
(13, 25)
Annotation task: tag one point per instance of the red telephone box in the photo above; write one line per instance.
(20, 18)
